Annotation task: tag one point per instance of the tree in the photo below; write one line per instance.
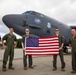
(19, 43)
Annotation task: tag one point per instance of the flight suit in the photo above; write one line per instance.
(73, 43)
(9, 51)
(0, 41)
(61, 40)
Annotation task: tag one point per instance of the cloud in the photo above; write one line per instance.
(62, 10)
(67, 13)
(3, 29)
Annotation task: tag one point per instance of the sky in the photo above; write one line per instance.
(61, 10)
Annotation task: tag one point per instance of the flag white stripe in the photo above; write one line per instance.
(56, 41)
(45, 53)
(48, 44)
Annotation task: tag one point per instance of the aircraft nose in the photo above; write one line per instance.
(4, 19)
(7, 19)
(14, 21)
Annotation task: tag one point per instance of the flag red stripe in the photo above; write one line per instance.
(42, 54)
(39, 51)
(40, 48)
(28, 49)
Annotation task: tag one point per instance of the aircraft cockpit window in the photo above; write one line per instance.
(33, 13)
(28, 12)
(41, 15)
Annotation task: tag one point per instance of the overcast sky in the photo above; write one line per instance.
(61, 10)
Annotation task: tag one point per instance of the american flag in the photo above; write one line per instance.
(42, 46)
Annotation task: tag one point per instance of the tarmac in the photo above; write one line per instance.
(42, 65)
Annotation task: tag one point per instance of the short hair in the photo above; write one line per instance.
(10, 28)
(56, 29)
(74, 28)
(27, 28)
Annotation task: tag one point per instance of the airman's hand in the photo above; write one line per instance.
(15, 46)
(24, 49)
(60, 48)
(5, 46)
(70, 47)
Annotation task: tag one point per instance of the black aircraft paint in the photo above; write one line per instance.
(38, 23)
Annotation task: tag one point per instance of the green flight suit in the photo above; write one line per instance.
(9, 51)
(61, 40)
(73, 43)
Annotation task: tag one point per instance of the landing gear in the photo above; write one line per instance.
(65, 49)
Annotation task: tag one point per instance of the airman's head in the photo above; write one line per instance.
(57, 31)
(73, 32)
(27, 31)
(11, 30)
